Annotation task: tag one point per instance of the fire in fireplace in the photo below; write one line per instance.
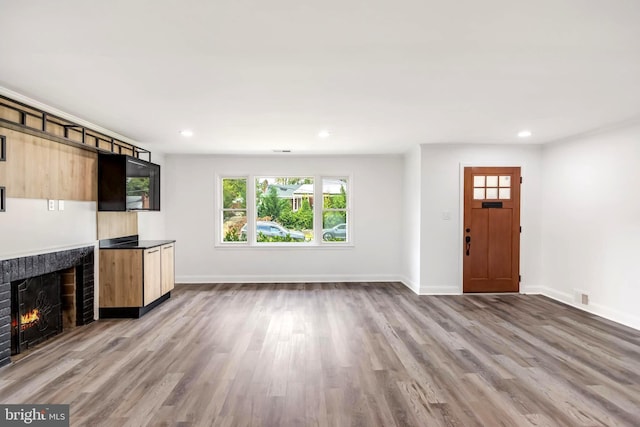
(37, 310)
(27, 320)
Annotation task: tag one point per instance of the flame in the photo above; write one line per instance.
(27, 319)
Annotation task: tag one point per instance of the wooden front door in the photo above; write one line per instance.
(491, 242)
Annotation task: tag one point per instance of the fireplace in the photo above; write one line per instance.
(42, 294)
(36, 305)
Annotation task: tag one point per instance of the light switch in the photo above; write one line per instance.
(446, 216)
(60, 205)
(52, 205)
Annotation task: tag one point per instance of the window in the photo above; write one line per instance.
(284, 209)
(234, 209)
(281, 210)
(491, 187)
(334, 210)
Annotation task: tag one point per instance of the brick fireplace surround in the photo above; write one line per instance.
(37, 265)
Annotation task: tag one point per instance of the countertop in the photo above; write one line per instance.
(132, 242)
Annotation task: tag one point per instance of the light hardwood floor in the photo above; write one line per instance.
(339, 354)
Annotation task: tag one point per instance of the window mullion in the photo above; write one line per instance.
(251, 210)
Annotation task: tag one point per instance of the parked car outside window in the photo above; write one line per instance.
(269, 229)
(338, 232)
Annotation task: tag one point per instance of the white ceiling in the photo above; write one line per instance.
(250, 76)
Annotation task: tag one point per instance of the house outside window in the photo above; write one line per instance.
(284, 209)
(281, 210)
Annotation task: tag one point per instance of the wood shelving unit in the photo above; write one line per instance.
(22, 117)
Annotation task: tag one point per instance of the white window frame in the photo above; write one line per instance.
(220, 209)
(251, 210)
(347, 210)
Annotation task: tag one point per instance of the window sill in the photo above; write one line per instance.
(287, 246)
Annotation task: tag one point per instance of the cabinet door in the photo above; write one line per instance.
(168, 268)
(152, 275)
(120, 278)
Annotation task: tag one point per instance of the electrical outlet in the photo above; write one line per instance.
(60, 205)
(579, 296)
(52, 205)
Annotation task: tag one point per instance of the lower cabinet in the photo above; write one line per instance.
(152, 275)
(134, 281)
(168, 268)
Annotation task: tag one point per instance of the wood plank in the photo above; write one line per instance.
(117, 224)
(338, 354)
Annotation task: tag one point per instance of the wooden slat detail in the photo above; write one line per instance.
(120, 278)
(34, 119)
(117, 224)
(37, 168)
(9, 114)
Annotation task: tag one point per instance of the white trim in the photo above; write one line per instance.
(593, 308)
(463, 165)
(283, 278)
(534, 290)
(414, 287)
(284, 245)
(440, 290)
(49, 109)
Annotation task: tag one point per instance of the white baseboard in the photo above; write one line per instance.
(531, 290)
(617, 316)
(440, 290)
(287, 279)
(415, 288)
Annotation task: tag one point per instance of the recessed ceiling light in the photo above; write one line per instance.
(324, 134)
(186, 132)
(524, 134)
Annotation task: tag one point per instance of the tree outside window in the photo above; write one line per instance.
(234, 209)
(334, 210)
(284, 209)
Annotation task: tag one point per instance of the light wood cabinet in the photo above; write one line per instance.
(168, 268)
(37, 168)
(120, 278)
(152, 275)
(134, 281)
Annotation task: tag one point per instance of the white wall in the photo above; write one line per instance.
(591, 223)
(411, 219)
(441, 239)
(28, 227)
(377, 192)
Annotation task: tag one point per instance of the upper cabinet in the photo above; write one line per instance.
(35, 167)
(127, 183)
